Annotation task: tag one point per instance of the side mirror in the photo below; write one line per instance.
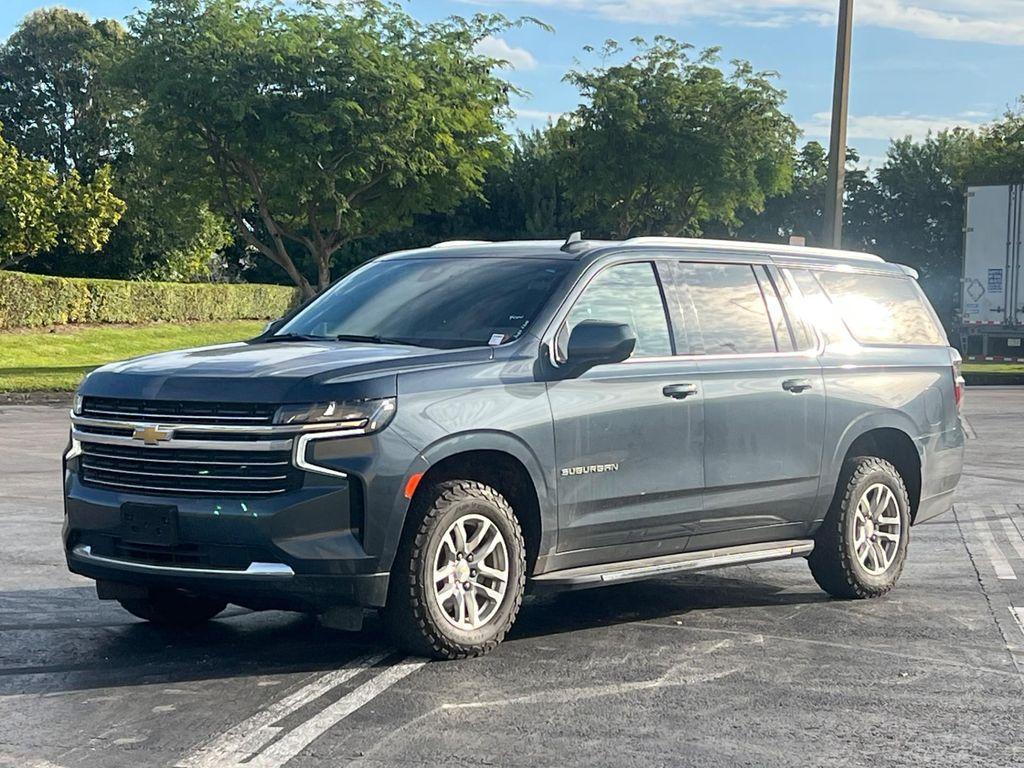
(595, 342)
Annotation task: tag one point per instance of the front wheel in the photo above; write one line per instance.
(459, 574)
(861, 547)
(173, 609)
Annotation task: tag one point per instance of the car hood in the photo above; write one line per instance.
(295, 371)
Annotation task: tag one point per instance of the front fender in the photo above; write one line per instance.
(541, 475)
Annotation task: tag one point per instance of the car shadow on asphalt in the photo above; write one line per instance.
(652, 599)
(55, 640)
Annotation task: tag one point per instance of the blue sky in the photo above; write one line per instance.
(917, 65)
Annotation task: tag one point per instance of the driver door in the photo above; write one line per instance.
(629, 436)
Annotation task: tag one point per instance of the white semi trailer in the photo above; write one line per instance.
(992, 295)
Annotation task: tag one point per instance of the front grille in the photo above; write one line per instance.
(178, 411)
(178, 472)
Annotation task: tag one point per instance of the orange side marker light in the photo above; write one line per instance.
(412, 483)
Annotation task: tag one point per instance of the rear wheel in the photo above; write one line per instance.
(459, 575)
(861, 547)
(173, 608)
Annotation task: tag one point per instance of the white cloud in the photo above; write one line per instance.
(538, 114)
(498, 48)
(885, 127)
(999, 22)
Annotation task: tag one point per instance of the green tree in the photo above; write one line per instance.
(60, 103)
(996, 152)
(664, 143)
(317, 123)
(56, 100)
(38, 211)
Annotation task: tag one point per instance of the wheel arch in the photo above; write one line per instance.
(888, 440)
(505, 463)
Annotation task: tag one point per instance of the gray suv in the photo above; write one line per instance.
(446, 429)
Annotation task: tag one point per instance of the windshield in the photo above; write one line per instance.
(434, 302)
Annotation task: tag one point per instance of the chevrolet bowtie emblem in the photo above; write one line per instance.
(151, 435)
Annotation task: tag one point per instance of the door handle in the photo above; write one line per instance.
(796, 385)
(679, 391)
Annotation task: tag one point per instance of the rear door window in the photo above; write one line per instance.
(630, 294)
(731, 314)
(882, 309)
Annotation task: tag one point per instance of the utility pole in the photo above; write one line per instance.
(833, 230)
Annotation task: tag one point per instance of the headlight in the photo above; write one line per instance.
(77, 407)
(365, 415)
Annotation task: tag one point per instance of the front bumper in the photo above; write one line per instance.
(296, 551)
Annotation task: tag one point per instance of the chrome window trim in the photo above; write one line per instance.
(583, 282)
(257, 570)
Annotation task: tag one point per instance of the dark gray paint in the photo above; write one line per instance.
(742, 460)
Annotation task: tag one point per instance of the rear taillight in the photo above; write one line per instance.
(958, 379)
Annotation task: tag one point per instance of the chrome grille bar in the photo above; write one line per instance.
(191, 491)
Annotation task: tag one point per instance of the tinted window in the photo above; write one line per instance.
(783, 340)
(626, 293)
(434, 302)
(803, 336)
(731, 311)
(815, 308)
(882, 309)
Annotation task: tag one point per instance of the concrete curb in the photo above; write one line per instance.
(36, 398)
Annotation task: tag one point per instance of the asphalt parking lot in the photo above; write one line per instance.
(746, 666)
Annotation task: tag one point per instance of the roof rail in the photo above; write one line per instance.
(457, 243)
(737, 245)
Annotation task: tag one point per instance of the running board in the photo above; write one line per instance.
(630, 570)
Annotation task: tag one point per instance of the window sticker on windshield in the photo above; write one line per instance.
(496, 339)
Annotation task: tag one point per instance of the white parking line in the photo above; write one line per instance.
(1018, 616)
(296, 740)
(249, 736)
(1000, 564)
(1016, 541)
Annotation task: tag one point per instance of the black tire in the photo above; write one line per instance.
(415, 620)
(834, 562)
(173, 609)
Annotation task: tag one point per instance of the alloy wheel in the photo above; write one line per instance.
(877, 528)
(471, 572)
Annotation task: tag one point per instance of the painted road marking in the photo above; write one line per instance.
(996, 557)
(1014, 535)
(251, 735)
(1018, 616)
(300, 737)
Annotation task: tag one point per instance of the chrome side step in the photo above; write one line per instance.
(631, 570)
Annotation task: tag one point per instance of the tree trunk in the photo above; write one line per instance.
(323, 266)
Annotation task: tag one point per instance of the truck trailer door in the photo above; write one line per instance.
(990, 273)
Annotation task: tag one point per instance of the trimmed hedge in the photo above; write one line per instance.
(34, 300)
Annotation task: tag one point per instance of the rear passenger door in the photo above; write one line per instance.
(764, 402)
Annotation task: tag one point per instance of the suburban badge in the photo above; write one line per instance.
(589, 469)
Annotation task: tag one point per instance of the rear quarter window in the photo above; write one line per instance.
(882, 309)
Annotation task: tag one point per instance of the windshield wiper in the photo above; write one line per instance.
(376, 339)
(292, 337)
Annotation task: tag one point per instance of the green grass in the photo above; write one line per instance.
(43, 360)
(993, 367)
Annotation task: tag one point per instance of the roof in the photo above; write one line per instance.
(553, 249)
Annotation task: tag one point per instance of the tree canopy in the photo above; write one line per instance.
(667, 141)
(56, 101)
(38, 210)
(317, 124)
